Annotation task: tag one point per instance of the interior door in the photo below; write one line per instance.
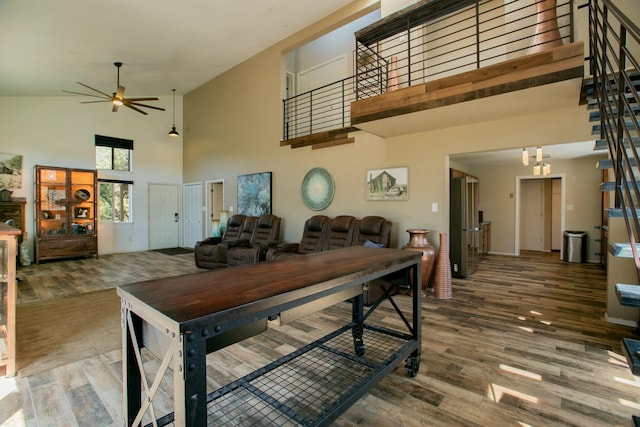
(192, 214)
(163, 216)
(531, 215)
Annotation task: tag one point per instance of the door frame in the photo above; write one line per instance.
(208, 187)
(518, 180)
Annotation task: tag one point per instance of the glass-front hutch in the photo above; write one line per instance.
(65, 213)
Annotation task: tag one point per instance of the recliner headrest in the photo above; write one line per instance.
(266, 221)
(235, 220)
(315, 223)
(371, 225)
(341, 223)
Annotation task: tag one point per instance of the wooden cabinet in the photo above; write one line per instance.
(65, 213)
(8, 251)
(14, 210)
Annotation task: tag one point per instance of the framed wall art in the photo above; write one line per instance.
(10, 170)
(387, 184)
(254, 194)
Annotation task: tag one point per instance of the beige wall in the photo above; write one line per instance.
(233, 127)
(59, 131)
(582, 200)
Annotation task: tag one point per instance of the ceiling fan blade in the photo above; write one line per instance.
(93, 102)
(96, 90)
(142, 99)
(84, 94)
(127, 103)
(120, 93)
(115, 108)
(137, 109)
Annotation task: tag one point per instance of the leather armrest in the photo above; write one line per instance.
(287, 247)
(211, 241)
(242, 243)
(271, 244)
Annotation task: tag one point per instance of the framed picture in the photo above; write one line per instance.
(81, 212)
(254, 194)
(10, 170)
(387, 184)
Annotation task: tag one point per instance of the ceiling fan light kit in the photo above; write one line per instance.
(117, 98)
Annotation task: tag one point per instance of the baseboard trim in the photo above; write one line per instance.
(617, 321)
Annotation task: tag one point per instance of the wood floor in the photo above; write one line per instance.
(522, 343)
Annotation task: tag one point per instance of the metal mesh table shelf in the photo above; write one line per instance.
(308, 386)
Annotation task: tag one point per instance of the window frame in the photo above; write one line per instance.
(114, 144)
(114, 182)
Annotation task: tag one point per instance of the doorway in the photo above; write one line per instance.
(192, 214)
(539, 213)
(215, 202)
(163, 216)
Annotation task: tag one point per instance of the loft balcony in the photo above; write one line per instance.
(552, 79)
(441, 63)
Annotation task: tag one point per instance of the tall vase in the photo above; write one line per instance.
(547, 35)
(393, 82)
(442, 287)
(418, 242)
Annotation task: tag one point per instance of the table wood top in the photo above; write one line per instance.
(9, 230)
(226, 294)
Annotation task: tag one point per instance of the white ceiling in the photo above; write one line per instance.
(47, 46)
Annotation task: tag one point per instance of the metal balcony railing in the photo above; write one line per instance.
(428, 41)
(614, 61)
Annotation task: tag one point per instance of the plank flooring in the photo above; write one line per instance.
(523, 342)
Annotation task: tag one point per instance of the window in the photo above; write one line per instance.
(113, 158)
(114, 203)
(113, 153)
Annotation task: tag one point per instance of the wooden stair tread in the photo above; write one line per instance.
(631, 350)
(628, 295)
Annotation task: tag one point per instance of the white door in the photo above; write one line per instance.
(163, 216)
(192, 214)
(531, 215)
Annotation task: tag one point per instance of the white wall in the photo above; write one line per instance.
(59, 131)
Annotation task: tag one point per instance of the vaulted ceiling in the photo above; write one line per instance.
(47, 46)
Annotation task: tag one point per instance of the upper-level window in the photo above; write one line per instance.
(113, 153)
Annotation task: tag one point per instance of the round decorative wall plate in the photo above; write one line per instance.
(318, 189)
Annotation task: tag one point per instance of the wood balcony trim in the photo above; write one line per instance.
(554, 65)
(321, 138)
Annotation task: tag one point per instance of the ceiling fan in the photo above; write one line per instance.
(117, 98)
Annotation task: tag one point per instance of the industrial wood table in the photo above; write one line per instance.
(181, 319)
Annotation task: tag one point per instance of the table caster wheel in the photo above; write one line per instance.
(412, 365)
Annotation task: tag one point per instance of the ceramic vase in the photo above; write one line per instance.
(442, 286)
(393, 82)
(547, 35)
(418, 242)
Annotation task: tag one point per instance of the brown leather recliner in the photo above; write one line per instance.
(265, 234)
(209, 253)
(313, 239)
(374, 231)
(341, 232)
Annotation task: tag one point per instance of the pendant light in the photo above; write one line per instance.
(173, 132)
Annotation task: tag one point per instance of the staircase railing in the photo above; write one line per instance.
(428, 41)
(614, 53)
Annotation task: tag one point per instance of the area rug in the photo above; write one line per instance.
(56, 332)
(174, 251)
